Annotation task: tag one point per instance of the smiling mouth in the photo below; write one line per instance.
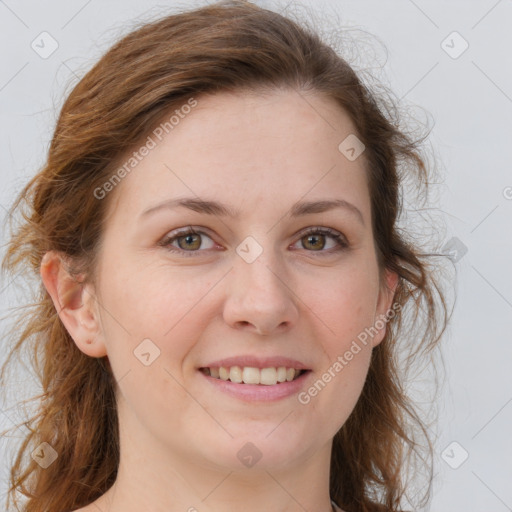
(250, 375)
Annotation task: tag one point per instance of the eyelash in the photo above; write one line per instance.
(335, 235)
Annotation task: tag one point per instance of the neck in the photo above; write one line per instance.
(193, 489)
(154, 477)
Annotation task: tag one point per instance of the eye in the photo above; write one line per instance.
(315, 239)
(188, 241)
(185, 240)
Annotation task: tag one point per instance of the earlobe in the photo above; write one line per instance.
(75, 304)
(385, 305)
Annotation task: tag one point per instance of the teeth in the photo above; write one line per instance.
(235, 374)
(249, 375)
(269, 376)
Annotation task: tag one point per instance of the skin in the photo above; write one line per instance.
(180, 436)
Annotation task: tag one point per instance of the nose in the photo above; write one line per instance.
(260, 297)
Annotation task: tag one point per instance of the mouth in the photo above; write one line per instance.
(254, 376)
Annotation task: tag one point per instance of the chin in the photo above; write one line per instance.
(262, 449)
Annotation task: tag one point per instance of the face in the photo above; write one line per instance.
(277, 286)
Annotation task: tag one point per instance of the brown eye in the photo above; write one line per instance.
(190, 241)
(314, 241)
(187, 241)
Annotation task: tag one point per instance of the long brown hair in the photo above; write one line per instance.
(230, 45)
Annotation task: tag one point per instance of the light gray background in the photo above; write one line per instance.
(470, 100)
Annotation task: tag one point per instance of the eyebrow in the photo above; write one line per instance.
(211, 207)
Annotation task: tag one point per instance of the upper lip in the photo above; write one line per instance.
(257, 362)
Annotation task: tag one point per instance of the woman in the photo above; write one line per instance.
(223, 283)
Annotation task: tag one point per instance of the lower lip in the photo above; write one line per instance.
(259, 392)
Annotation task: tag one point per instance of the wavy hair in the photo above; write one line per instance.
(227, 46)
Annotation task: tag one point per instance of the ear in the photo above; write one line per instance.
(385, 309)
(75, 303)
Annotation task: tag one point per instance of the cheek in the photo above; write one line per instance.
(166, 307)
(346, 305)
(151, 320)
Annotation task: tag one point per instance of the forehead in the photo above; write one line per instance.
(246, 147)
